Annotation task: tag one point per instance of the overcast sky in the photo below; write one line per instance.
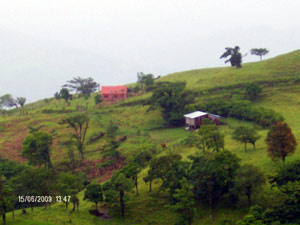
(45, 43)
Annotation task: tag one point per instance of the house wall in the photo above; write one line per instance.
(114, 97)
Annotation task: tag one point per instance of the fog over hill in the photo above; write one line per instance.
(45, 43)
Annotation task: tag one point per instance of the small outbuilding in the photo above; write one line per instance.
(194, 120)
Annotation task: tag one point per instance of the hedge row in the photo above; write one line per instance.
(242, 110)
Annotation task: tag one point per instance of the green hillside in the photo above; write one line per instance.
(279, 76)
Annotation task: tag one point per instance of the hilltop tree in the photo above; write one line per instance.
(57, 96)
(281, 142)
(253, 90)
(235, 56)
(249, 179)
(8, 101)
(94, 194)
(64, 93)
(21, 101)
(36, 148)
(83, 86)
(259, 52)
(80, 124)
(173, 99)
(145, 80)
(245, 135)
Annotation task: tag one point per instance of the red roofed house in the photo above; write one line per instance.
(114, 93)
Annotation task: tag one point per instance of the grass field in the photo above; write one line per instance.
(280, 77)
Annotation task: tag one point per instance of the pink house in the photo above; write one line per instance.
(114, 93)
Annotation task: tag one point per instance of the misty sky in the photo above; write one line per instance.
(44, 43)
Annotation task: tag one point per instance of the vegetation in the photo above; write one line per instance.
(259, 52)
(150, 149)
(281, 142)
(235, 56)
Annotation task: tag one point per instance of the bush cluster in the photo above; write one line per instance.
(243, 110)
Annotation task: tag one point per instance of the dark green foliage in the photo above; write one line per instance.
(35, 182)
(245, 135)
(289, 172)
(36, 148)
(131, 171)
(259, 52)
(242, 110)
(212, 175)
(145, 81)
(235, 56)
(184, 203)
(64, 93)
(80, 124)
(248, 180)
(83, 86)
(10, 169)
(117, 189)
(94, 194)
(68, 185)
(211, 138)
(253, 90)
(6, 198)
(172, 99)
(281, 142)
(98, 99)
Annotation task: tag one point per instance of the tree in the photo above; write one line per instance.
(98, 99)
(6, 198)
(235, 56)
(64, 93)
(68, 185)
(249, 179)
(289, 172)
(211, 138)
(172, 99)
(131, 171)
(94, 194)
(36, 148)
(259, 52)
(281, 142)
(21, 101)
(122, 185)
(57, 96)
(212, 175)
(253, 90)
(8, 101)
(84, 86)
(245, 135)
(184, 203)
(110, 149)
(80, 124)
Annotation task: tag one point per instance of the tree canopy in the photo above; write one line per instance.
(36, 148)
(172, 99)
(235, 56)
(281, 142)
(259, 52)
(83, 86)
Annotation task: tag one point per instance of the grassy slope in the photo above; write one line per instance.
(147, 209)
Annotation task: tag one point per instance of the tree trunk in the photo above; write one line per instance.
(245, 147)
(96, 206)
(283, 158)
(249, 199)
(67, 205)
(4, 218)
(254, 146)
(260, 57)
(150, 186)
(136, 186)
(122, 203)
